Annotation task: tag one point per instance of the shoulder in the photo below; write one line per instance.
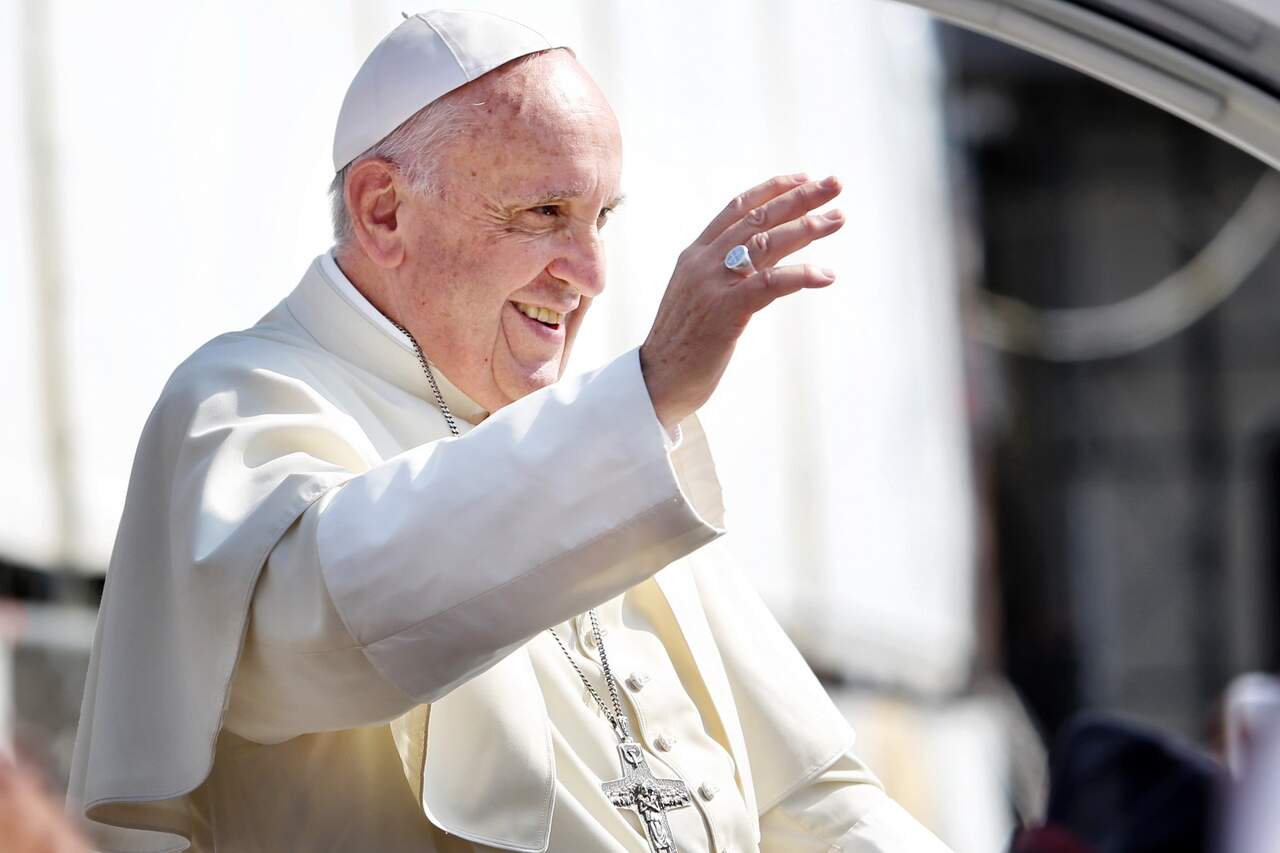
(275, 356)
(270, 376)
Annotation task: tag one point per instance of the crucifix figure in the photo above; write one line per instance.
(650, 797)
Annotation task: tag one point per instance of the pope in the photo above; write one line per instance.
(385, 581)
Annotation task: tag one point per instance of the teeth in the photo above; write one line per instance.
(544, 315)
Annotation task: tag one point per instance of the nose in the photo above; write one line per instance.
(580, 263)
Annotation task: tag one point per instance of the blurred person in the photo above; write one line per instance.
(382, 582)
(1253, 824)
(1250, 714)
(1117, 786)
(30, 820)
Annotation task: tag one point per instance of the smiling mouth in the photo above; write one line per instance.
(545, 316)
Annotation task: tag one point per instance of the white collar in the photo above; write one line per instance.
(329, 266)
(459, 403)
(348, 291)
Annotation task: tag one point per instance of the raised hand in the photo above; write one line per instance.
(706, 306)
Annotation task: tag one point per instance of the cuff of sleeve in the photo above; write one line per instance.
(695, 473)
(442, 559)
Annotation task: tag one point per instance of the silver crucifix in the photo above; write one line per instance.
(651, 798)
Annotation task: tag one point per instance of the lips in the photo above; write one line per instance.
(545, 334)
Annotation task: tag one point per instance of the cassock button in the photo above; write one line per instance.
(590, 639)
(665, 743)
(637, 680)
(707, 791)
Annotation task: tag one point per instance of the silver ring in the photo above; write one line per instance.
(739, 260)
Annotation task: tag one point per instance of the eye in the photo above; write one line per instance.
(547, 210)
(603, 217)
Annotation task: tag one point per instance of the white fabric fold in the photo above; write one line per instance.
(403, 566)
(416, 549)
(248, 433)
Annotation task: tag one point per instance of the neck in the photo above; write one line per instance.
(378, 287)
(373, 282)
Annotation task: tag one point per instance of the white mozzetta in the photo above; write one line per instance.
(254, 428)
(466, 548)
(230, 707)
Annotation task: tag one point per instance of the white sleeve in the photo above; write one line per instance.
(423, 572)
(844, 810)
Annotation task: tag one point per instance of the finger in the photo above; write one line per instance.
(759, 290)
(754, 197)
(768, 247)
(784, 208)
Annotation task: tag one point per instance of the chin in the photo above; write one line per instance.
(520, 386)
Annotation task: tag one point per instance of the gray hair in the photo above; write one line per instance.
(414, 147)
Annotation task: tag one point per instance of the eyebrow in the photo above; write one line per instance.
(563, 195)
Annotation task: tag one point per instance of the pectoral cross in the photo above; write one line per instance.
(650, 797)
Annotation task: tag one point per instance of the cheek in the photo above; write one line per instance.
(508, 267)
(469, 277)
(455, 273)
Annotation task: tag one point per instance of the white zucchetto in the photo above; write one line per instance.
(430, 54)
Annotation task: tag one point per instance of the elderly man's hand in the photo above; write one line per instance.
(707, 306)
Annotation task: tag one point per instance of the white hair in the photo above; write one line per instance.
(414, 147)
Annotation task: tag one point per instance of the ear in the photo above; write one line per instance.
(373, 200)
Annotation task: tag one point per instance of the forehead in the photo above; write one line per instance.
(545, 86)
(541, 130)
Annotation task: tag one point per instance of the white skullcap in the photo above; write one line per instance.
(428, 55)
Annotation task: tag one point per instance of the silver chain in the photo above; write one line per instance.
(617, 719)
(431, 377)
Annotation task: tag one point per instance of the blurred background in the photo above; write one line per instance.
(1022, 460)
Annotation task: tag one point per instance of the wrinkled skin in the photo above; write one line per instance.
(524, 195)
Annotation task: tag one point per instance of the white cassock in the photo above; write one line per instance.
(323, 626)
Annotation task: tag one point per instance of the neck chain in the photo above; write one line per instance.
(431, 378)
(617, 717)
(638, 789)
